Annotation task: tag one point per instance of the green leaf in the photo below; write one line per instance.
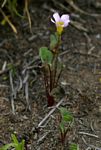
(14, 138)
(16, 144)
(62, 127)
(7, 146)
(45, 55)
(12, 6)
(53, 41)
(22, 144)
(74, 146)
(66, 115)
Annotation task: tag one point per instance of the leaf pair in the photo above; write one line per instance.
(45, 54)
(66, 117)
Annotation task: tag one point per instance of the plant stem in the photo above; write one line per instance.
(55, 67)
(48, 87)
(55, 62)
(50, 99)
(51, 78)
(58, 77)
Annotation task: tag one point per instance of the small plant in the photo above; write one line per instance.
(52, 65)
(66, 120)
(74, 146)
(15, 144)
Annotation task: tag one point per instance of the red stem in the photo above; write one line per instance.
(50, 98)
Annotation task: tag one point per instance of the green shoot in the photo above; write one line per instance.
(74, 146)
(66, 120)
(15, 143)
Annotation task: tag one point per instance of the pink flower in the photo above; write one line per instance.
(62, 21)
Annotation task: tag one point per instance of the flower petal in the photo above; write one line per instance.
(56, 17)
(65, 19)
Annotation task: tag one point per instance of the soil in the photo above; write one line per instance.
(21, 80)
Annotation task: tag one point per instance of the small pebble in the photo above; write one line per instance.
(98, 36)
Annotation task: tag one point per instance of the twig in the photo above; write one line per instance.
(43, 137)
(20, 84)
(26, 90)
(57, 3)
(91, 126)
(85, 142)
(4, 65)
(86, 54)
(12, 92)
(76, 8)
(28, 52)
(89, 134)
(3, 86)
(51, 112)
(27, 96)
(25, 73)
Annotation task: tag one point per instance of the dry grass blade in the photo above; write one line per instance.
(26, 89)
(76, 8)
(27, 96)
(12, 92)
(89, 134)
(28, 14)
(78, 26)
(3, 4)
(8, 21)
(60, 5)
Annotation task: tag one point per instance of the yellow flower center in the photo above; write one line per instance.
(60, 23)
(59, 26)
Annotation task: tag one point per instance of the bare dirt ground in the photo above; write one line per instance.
(21, 79)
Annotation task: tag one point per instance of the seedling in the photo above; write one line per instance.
(15, 144)
(74, 146)
(51, 64)
(66, 121)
